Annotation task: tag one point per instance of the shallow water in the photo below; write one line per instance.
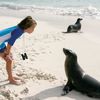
(60, 7)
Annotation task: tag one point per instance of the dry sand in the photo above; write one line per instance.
(43, 72)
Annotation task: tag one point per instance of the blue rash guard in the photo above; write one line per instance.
(12, 33)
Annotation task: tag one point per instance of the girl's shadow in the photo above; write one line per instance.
(4, 83)
(56, 92)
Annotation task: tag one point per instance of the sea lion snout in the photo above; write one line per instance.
(79, 19)
(66, 51)
(70, 54)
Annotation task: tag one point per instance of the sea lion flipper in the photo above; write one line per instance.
(64, 32)
(67, 88)
(64, 93)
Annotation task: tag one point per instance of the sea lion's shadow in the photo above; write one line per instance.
(80, 32)
(56, 92)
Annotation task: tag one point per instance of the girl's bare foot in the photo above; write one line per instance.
(14, 82)
(17, 78)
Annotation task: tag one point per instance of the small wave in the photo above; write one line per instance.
(74, 11)
(13, 6)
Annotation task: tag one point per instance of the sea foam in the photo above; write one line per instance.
(64, 11)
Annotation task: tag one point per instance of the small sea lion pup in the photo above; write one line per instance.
(74, 28)
(77, 78)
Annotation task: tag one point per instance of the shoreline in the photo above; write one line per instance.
(79, 9)
(62, 22)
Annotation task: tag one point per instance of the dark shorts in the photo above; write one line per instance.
(2, 50)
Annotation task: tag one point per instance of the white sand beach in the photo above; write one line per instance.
(43, 72)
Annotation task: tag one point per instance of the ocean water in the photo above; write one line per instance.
(58, 7)
(55, 3)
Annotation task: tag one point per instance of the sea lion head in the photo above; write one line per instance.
(79, 19)
(70, 55)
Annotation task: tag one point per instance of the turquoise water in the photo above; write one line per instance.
(55, 3)
(58, 7)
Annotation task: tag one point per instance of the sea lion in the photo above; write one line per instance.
(77, 78)
(74, 28)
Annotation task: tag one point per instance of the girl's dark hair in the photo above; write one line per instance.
(26, 22)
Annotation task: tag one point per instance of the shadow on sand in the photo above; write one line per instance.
(56, 92)
(4, 83)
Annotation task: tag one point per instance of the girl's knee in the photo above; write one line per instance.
(8, 59)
